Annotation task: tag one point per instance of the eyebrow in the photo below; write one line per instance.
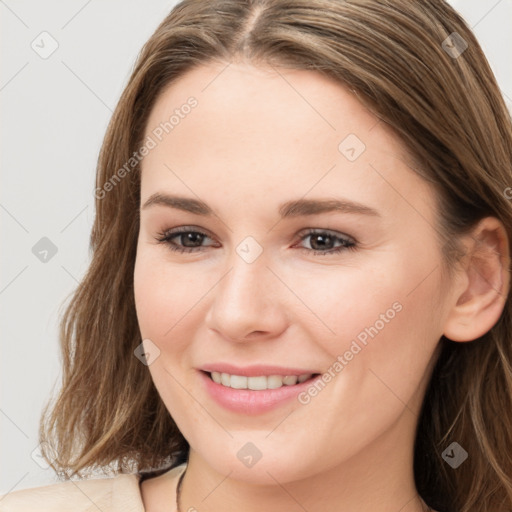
(294, 208)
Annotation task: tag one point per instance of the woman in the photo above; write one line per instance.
(299, 297)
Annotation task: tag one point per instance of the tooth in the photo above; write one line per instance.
(290, 380)
(274, 381)
(257, 383)
(238, 382)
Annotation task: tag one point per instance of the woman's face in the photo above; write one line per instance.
(276, 280)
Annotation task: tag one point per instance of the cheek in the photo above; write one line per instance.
(164, 294)
(386, 330)
(397, 328)
(386, 316)
(164, 298)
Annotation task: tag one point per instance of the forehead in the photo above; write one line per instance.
(271, 128)
(233, 93)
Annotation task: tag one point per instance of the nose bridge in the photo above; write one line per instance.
(245, 299)
(249, 273)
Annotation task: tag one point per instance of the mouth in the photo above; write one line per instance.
(258, 382)
(257, 388)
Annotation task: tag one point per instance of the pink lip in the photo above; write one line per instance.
(255, 370)
(250, 402)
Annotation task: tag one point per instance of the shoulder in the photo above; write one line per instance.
(110, 494)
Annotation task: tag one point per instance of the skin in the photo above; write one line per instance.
(259, 137)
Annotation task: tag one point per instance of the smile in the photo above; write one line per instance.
(256, 394)
(258, 383)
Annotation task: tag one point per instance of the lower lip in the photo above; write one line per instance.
(248, 401)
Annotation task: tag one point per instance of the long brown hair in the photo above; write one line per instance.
(435, 89)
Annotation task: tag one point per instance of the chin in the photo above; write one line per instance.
(260, 463)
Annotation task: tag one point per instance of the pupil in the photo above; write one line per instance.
(192, 237)
(322, 244)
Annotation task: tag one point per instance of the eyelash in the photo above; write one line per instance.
(166, 236)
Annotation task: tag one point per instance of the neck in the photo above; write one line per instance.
(378, 478)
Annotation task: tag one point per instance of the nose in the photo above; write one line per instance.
(247, 302)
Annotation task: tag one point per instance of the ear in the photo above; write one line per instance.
(483, 282)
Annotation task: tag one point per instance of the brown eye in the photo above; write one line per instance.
(183, 239)
(326, 242)
(190, 239)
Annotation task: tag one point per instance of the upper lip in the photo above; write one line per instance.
(255, 370)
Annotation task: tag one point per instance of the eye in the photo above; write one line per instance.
(189, 237)
(323, 242)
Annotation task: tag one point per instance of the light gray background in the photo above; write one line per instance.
(54, 115)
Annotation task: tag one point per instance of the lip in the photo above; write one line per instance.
(251, 402)
(255, 370)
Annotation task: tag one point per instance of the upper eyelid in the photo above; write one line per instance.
(186, 229)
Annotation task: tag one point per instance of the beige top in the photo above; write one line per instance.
(121, 493)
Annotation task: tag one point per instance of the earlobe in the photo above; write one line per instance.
(484, 284)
